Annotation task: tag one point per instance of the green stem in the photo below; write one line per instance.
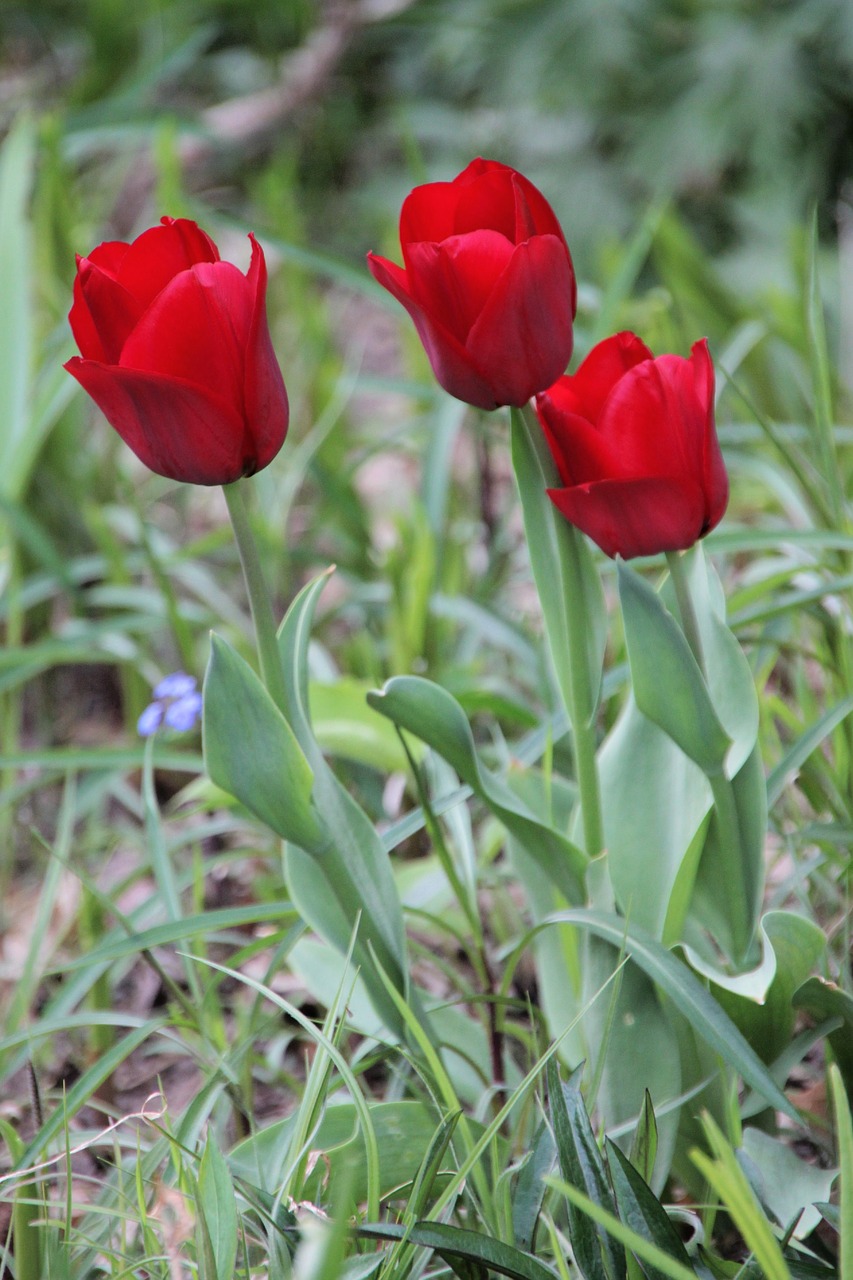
(556, 548)
(689, 623)
(583, 730)
(259, 597)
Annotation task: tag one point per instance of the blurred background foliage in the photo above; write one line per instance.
(740, 111)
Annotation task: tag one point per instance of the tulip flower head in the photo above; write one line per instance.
(635, 443)
(488, 281)
(175, 350)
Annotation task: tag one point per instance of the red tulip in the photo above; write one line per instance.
(635, 444)
(176, 352)
(488, 281)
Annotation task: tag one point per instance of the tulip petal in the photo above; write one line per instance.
(654, 421)
(636, 517)
(716, 480)
(161, 253)
(586, 391)
(265, 398)
(196, 329)
(452, 281)
(581, 452)
(102, 314)
(429, 213)
(453, 368)
(177, 430)
(523, 335)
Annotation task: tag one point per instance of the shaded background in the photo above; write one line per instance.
(740, 111)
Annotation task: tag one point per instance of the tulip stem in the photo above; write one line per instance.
(689, 622)
(568, 607)
(259, 596)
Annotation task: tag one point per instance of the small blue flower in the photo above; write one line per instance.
(177, 704)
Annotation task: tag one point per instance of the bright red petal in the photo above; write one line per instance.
(179, 431)
(599, 372)
(454, 280)
(581, 452)
(451, 363)
(652, 419)
(635, 517)
(715, 477)
(102, 314)
(522, 339)
(161, 253)
(265, 398)
(429, 213)
(197, 329)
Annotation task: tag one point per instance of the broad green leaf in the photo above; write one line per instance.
(530, 1188)
(347, 881)
(844, 1143)
(404, 1134)
(655, 804)
(250, 750)
(728, 1180)
(631, 1046)
(219, 1208)
(434, 716)
(668, 684)
(597, 1255)
(345, 726)
(824, 999)
(17, 160)
(564, 571)
(619, 1231)
(764, 1010)
(790, 1188)
(459, 1243)
(687, 994)
(728, 675)
(640, 1209)
(729, 885)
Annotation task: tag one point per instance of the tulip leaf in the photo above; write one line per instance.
(434, 716)
(668, 684)
(564, 571)
(729, 885)
(655, 803)
(17, 439)
(728, 674)
(347, 882)
(688, 995)
(598, 1255)
(250, 749)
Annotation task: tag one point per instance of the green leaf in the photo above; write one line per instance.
(250, 749)
(729, 885)
(17, 445)
(822, 1000)
(668, 684)
(728, 1180)
(345, 726)
(687, 994)
(434, 716)
(790, 1188)
(640, 1209)
(563, 567)
(844, 1144)
(347, 881)
(655, 803)
(530, 1187)
(458, 1243)
(597, 1255)
(644, 1144)
(219, 1208)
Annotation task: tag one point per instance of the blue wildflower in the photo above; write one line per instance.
(177, 705)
